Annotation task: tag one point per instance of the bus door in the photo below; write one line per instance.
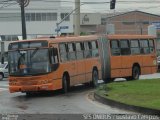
(153, 55)
(105, 57)
(88, 60)
(125, 58)
(149, 57)
(71, 65)
(116, 64)
(55, 67)
(80, 63)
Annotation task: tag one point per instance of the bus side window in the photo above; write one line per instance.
(144, 47)
(87, 49)
(54, 56)
(71, 51)
(79, 50)
(125, 47)
(54, 59)
(115, 49)
(63, 52)
(151, 46)
(95, 49)
(134, 44)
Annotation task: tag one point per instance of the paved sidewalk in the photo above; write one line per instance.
(150, 76)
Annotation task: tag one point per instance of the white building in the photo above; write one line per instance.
(90, 22)
(41, 19)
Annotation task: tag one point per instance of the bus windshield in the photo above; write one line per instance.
(29, 62)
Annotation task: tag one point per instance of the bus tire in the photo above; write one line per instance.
(1, 76)
(65, 84)
(95, 78)
(135, 72)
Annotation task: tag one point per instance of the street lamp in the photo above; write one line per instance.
(23, 4)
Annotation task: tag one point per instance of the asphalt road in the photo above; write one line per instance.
(78, 101)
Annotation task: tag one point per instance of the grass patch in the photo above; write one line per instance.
(144, 93)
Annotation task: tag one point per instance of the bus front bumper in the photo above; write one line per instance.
(30, 88)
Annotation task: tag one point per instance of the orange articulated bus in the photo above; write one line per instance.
(48, 64)
(128, 56)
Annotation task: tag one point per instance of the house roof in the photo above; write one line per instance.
(134, 12)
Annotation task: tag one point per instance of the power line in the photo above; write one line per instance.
(7, 4)
(2, 7)
(136, 1)
(124, 2)
(6, 1)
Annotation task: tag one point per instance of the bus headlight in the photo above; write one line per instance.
(154, 62)
(44, 82)
(12, 83)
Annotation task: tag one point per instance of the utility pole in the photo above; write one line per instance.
(77, 18)
(57, 24)
(24, 34)
(23, 4)
(2, 52)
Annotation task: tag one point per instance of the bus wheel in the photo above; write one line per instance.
(65, 84)
(95, 78)
(135, 73)
(1, 76)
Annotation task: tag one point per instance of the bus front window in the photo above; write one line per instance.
(29, 62)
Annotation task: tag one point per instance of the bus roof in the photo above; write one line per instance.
(88, 37)
(130, 37)
(62, 39)
(75, 38)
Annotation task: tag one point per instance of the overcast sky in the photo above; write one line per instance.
(103, 6)
(150, 6)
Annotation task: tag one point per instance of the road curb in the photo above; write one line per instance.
(133, 108)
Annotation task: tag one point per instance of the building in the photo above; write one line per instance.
(89, 22)
(134, 22)
(41, 20)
